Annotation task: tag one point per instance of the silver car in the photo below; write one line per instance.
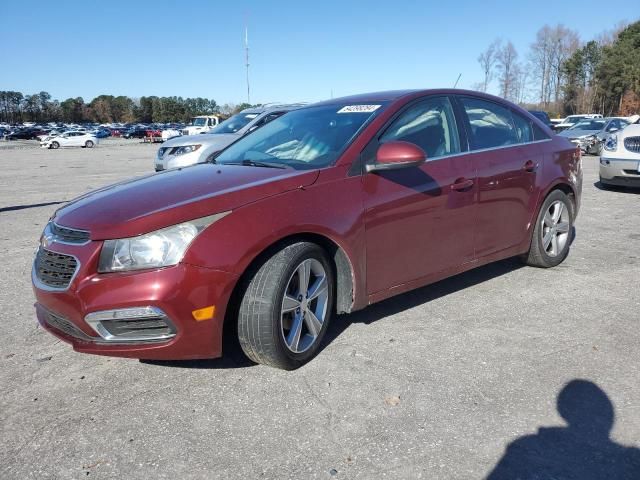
(191, 149)
(590, 133)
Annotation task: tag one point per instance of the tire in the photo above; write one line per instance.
(551, 237)
(598, 151)
(88, 144)
(267, 320)
(55, 145)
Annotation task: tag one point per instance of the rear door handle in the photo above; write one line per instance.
(530, 166)
(462, 184)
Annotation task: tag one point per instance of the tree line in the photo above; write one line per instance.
(563, 76)
(16, 107)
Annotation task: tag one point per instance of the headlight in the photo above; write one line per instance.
(611, 143)
(161, 248)
(186, 149)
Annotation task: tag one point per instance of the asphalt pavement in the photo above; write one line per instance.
(433, 384)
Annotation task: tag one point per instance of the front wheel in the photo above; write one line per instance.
(287, 306)
(552, 232)
(55, 145)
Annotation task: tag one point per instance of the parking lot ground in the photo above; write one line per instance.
(435, 383)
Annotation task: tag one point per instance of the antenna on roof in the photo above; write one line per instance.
(454, 85)
(246, 58)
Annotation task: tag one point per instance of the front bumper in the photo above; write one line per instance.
(620, 172)
(169, 161)
(177, 291)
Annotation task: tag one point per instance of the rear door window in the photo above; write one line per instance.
(491, 124)
(523, 127)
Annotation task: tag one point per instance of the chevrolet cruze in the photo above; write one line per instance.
(325, 210)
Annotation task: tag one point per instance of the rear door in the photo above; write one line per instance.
(508, 161)
(419, 220)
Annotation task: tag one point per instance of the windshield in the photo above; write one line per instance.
(573, 120)
(235, 123)
(589, 125)
(198, 122)
(308, 138)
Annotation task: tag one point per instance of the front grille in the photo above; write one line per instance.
(69, 235)
(63, 325)
(632, 144)
(185, 132)
(632, 172)
(53, 269)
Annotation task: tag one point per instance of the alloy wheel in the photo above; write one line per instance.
(555, 228)
(304, 306)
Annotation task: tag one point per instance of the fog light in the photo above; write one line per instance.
(604, 161)
(136, 324)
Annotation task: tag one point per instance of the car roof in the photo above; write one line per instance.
(393, 95)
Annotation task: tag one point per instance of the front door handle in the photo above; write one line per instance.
(462, 184)
(530, 166)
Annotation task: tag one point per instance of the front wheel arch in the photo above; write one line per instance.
(343, 272)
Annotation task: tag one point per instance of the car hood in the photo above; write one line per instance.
(629, 131)
(203, 139)
(577, 133)
(156, 201)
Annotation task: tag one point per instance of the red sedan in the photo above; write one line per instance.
(324, 210)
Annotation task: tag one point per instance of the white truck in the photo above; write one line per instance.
(201, 124)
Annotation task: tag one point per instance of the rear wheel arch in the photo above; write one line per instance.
(563, 187)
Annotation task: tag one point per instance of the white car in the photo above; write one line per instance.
(201, 124)
(191, 149)
(169, 133)
(620, 160)
(70, 139)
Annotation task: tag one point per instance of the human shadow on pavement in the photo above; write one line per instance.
(582, 450)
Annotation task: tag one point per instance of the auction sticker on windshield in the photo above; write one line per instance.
(359, 108)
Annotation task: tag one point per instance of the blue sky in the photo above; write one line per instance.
(299, 51)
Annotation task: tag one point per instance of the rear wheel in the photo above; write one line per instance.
(287, 306)
(552, 232)
(88, 144)
(55, 145)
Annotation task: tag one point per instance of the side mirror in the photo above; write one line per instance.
(396, 155)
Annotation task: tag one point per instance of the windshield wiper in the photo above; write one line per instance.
(256, 163)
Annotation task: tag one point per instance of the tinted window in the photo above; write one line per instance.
(523, 127)
(491, 124)
(538, 133)
(430, 124)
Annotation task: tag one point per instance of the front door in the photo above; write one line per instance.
(419, 220)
